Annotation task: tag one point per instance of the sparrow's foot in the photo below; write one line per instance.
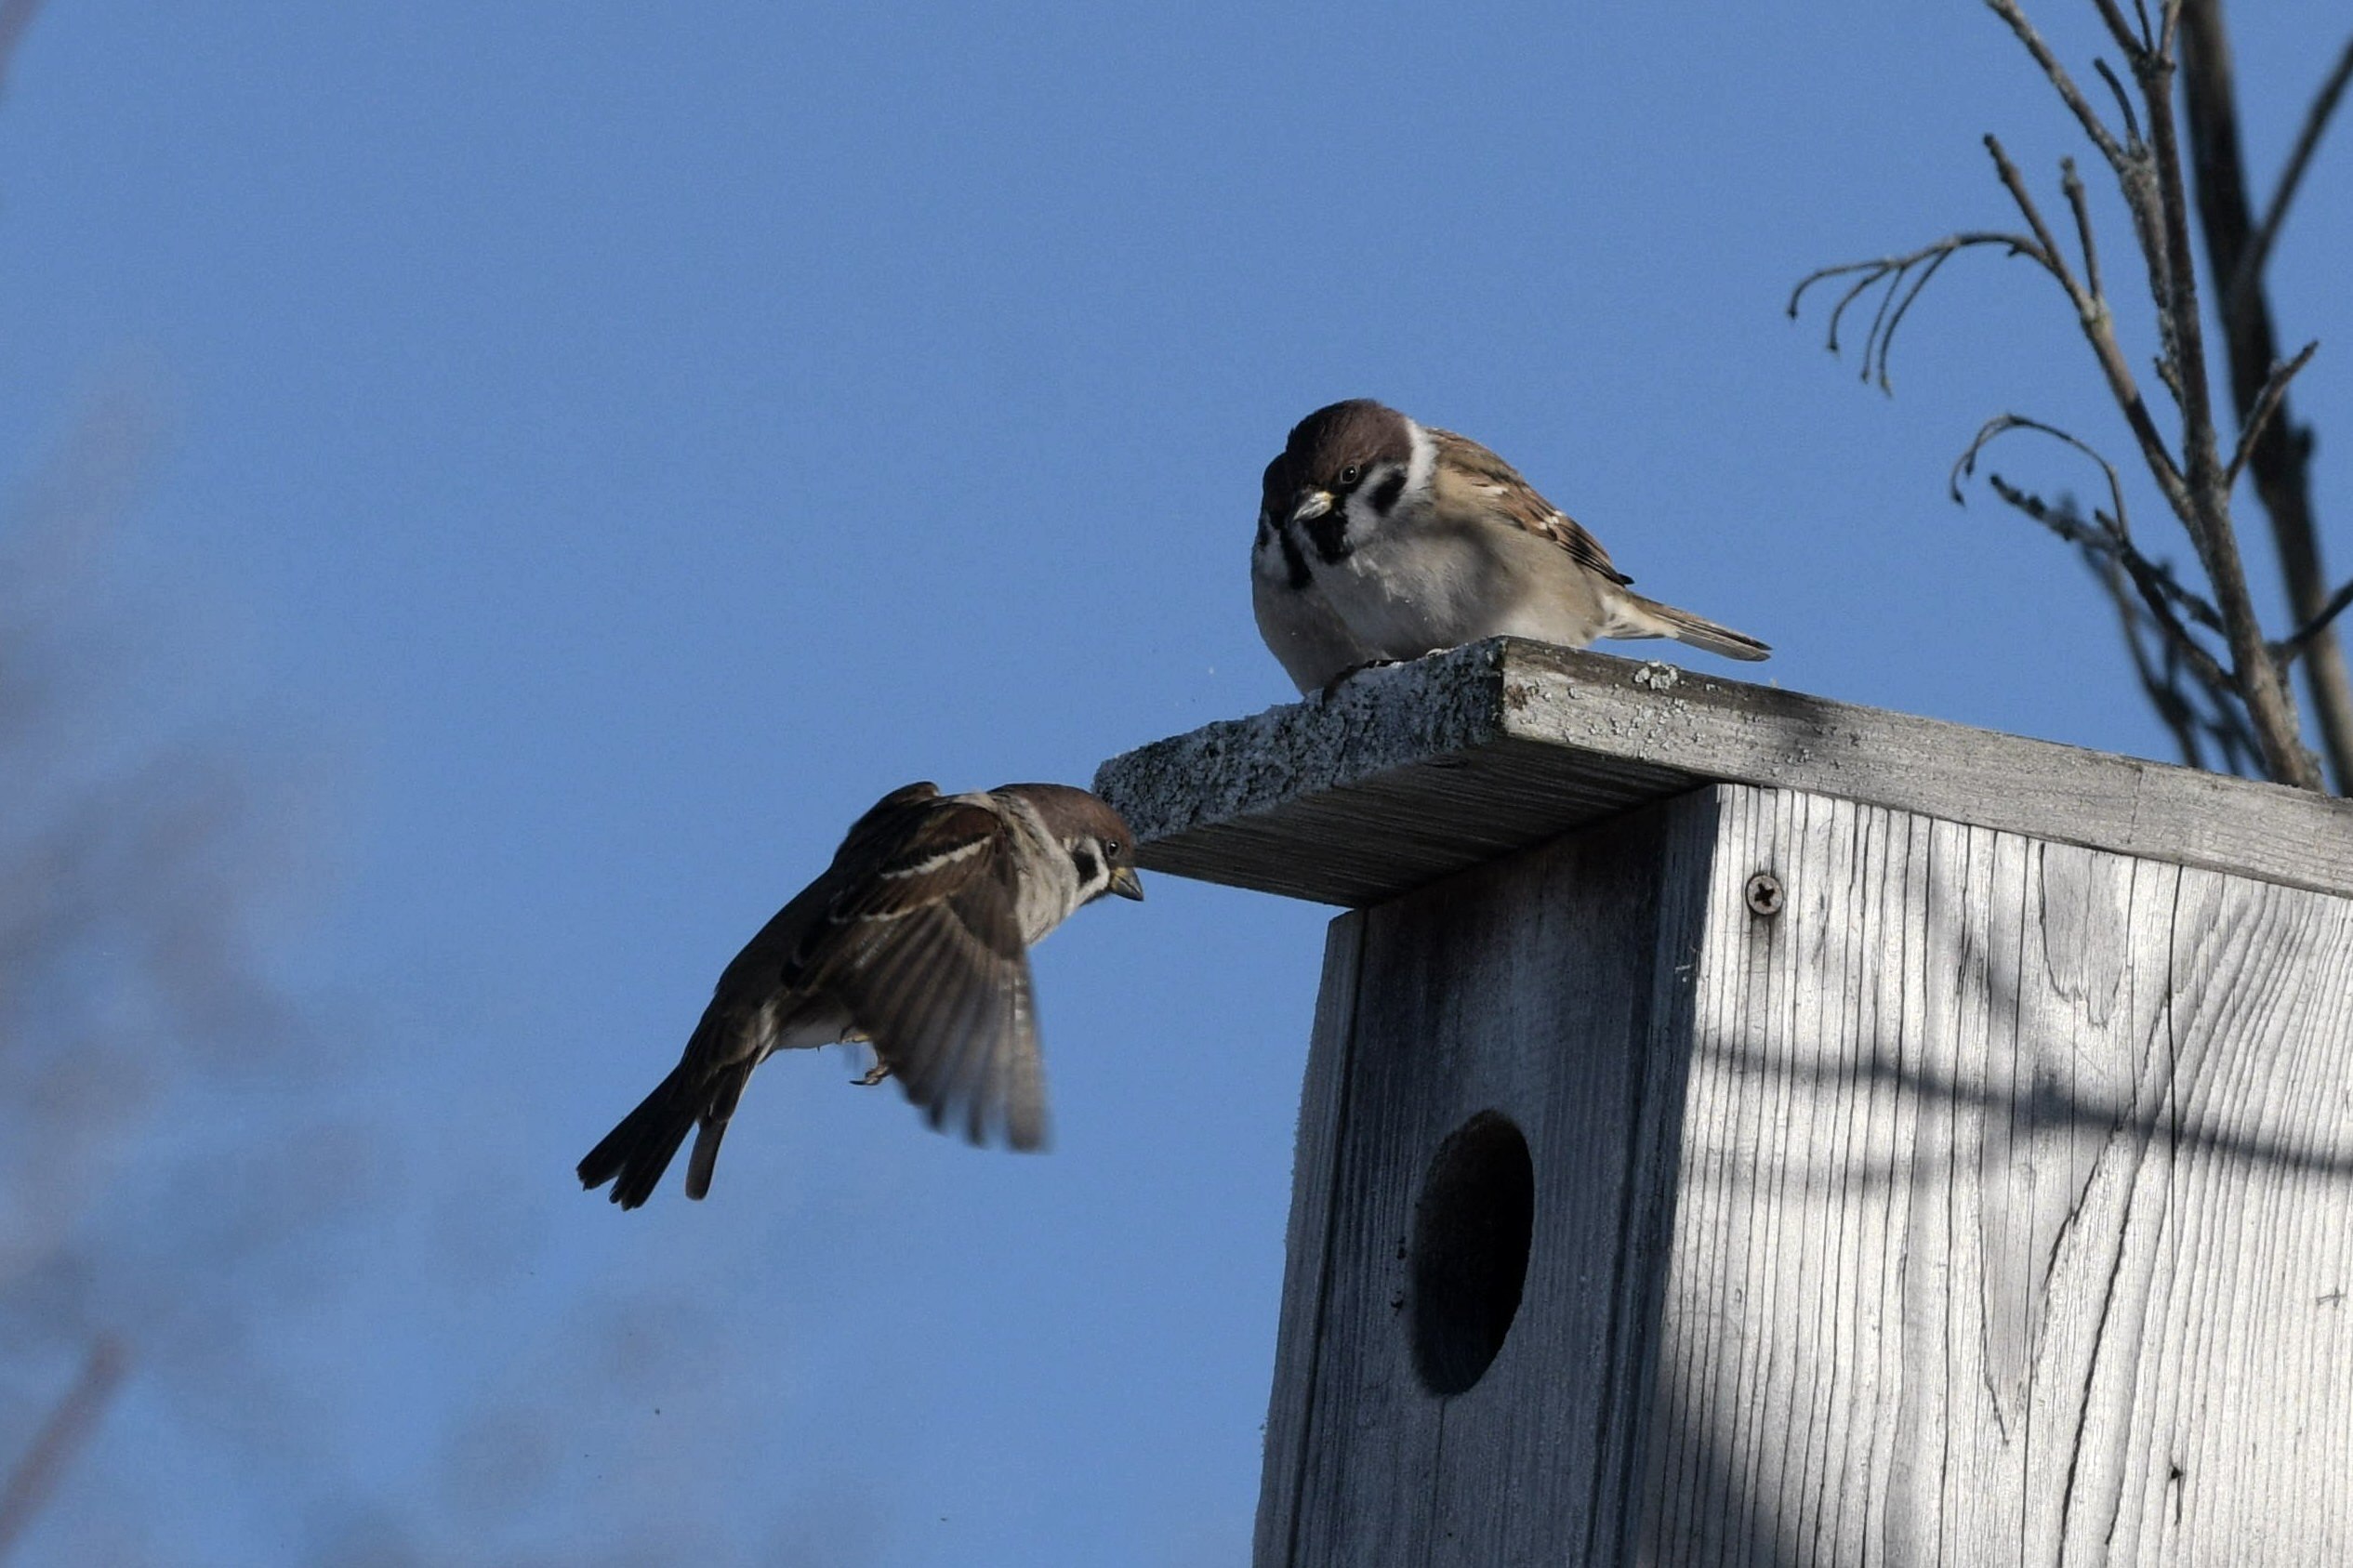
(1331, 687)
(874, 1075)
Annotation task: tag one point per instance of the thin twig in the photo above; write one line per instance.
(2009, 12)
(2127, 580)
(2133, 44)
(2124, 103)
(2166, 597)
(2001, 425)
(2073, 186)
(1918, 266)
(2163, 687)
(2266, 403)
(2315, 120)
(59, 1439)
(2099, 330)
(2050, 247)
(2159, 675)
(2295, 642)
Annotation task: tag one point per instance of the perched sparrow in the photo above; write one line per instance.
(914, 939)
(1381, 539)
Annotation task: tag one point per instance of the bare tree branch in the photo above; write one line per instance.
(2084, 115)
(60, 1438)
(2275, 386)
(2267, 233)
(2167, 600)
(2254, 712)
(2073, 186)
(2099, 331)
(2015, 183)
(2271, 709)
(2132, 43)
(2161, 662)
(2304, 635)
(1919, 266)
(2123, 105)
(2278, 459)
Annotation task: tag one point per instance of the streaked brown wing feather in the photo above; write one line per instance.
(775, 957)
(1505, 491)
(924, 950)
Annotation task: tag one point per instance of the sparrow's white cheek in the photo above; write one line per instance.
(1363, 515)
(1423, 464)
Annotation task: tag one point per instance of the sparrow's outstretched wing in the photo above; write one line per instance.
(1498, 486)
(739, 1025)
(922, 945)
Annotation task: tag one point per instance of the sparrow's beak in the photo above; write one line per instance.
(1126, 883)
(1314, 504)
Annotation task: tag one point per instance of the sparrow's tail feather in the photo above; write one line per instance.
(716, 1113)
(1647, 617)
(634, 1154)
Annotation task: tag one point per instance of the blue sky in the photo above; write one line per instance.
(593, 452)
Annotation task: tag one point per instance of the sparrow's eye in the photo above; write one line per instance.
(1350, 474)
(1111, 847)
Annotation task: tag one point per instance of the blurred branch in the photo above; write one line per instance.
(2273, 450)
(16, 16)
(2304, 635)
(2167, 600)
(2271, 709)
(2258, 419)
(2162, 656)
(2190, 473)
(60, 1438)
(2267, 233)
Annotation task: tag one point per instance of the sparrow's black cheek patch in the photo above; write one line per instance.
(1328, 534)
(1089, 867)
(1385, 495)
(1295, 561)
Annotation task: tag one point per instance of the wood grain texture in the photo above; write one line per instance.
(2015, 1210)
(1526, 987)
(1308, 1239)
(1415, 772)
(1992, 1203)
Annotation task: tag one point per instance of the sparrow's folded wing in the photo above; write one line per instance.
(1501, 490)
(922, 944)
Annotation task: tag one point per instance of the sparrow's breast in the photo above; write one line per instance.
(1429, 583)
(1303, 632)
(1413, 586)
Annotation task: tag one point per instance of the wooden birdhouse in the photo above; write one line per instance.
(1743, 1128)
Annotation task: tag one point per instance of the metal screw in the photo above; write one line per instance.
(1764, 894)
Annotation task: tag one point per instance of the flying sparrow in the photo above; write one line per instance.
(1379, 539)
(914, 940)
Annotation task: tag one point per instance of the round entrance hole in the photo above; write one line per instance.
(1471, 1231)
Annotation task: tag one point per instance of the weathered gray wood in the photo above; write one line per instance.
(1307, 1243)
(1524, 986)
(1411, 773)
(2017, 1208)
(1990, 1202)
